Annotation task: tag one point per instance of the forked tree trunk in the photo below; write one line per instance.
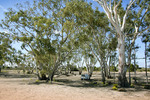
(122, 80)
(51, 75)
(89, 70)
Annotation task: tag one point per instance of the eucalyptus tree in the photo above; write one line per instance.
(112, 45)
(93, 29)
(43, 32)
(146, 39)
(138, 18)
(19, 59)
(78, 59)
(111, 8)
(89, 61)
(6, 49)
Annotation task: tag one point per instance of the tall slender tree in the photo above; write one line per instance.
(146, 39)
(111, 8)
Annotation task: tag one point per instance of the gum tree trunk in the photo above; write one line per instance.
(122, 68)
(0, 68)
(146, 63)
(109, 76)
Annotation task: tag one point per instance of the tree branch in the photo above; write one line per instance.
(125, 15)
(144, 29)
(94, 54)
(115, 12)
(99, 1)
(143, 17)
(118, 4)
(108, 11)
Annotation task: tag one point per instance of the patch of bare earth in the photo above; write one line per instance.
(20, 89)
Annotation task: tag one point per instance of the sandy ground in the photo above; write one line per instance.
(20, 89)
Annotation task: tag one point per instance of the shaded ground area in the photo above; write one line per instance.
(14, 86)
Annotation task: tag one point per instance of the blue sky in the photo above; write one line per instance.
(5, 4)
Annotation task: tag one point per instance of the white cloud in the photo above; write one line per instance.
(5, 10)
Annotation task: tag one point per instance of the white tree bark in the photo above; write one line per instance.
(116, 22)
(89, 67)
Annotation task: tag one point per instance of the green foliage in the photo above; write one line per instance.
(50, 30)
(84, 68)
(6, 51)
(44, 33)
(113, 68)
(132, 67)
(96, 68)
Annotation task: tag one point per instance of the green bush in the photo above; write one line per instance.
(139, 70)
(132, 67)
(96, 68)
(84, 68)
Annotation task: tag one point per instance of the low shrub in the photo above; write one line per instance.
(114, 88)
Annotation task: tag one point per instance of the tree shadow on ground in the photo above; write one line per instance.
(93, 83)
